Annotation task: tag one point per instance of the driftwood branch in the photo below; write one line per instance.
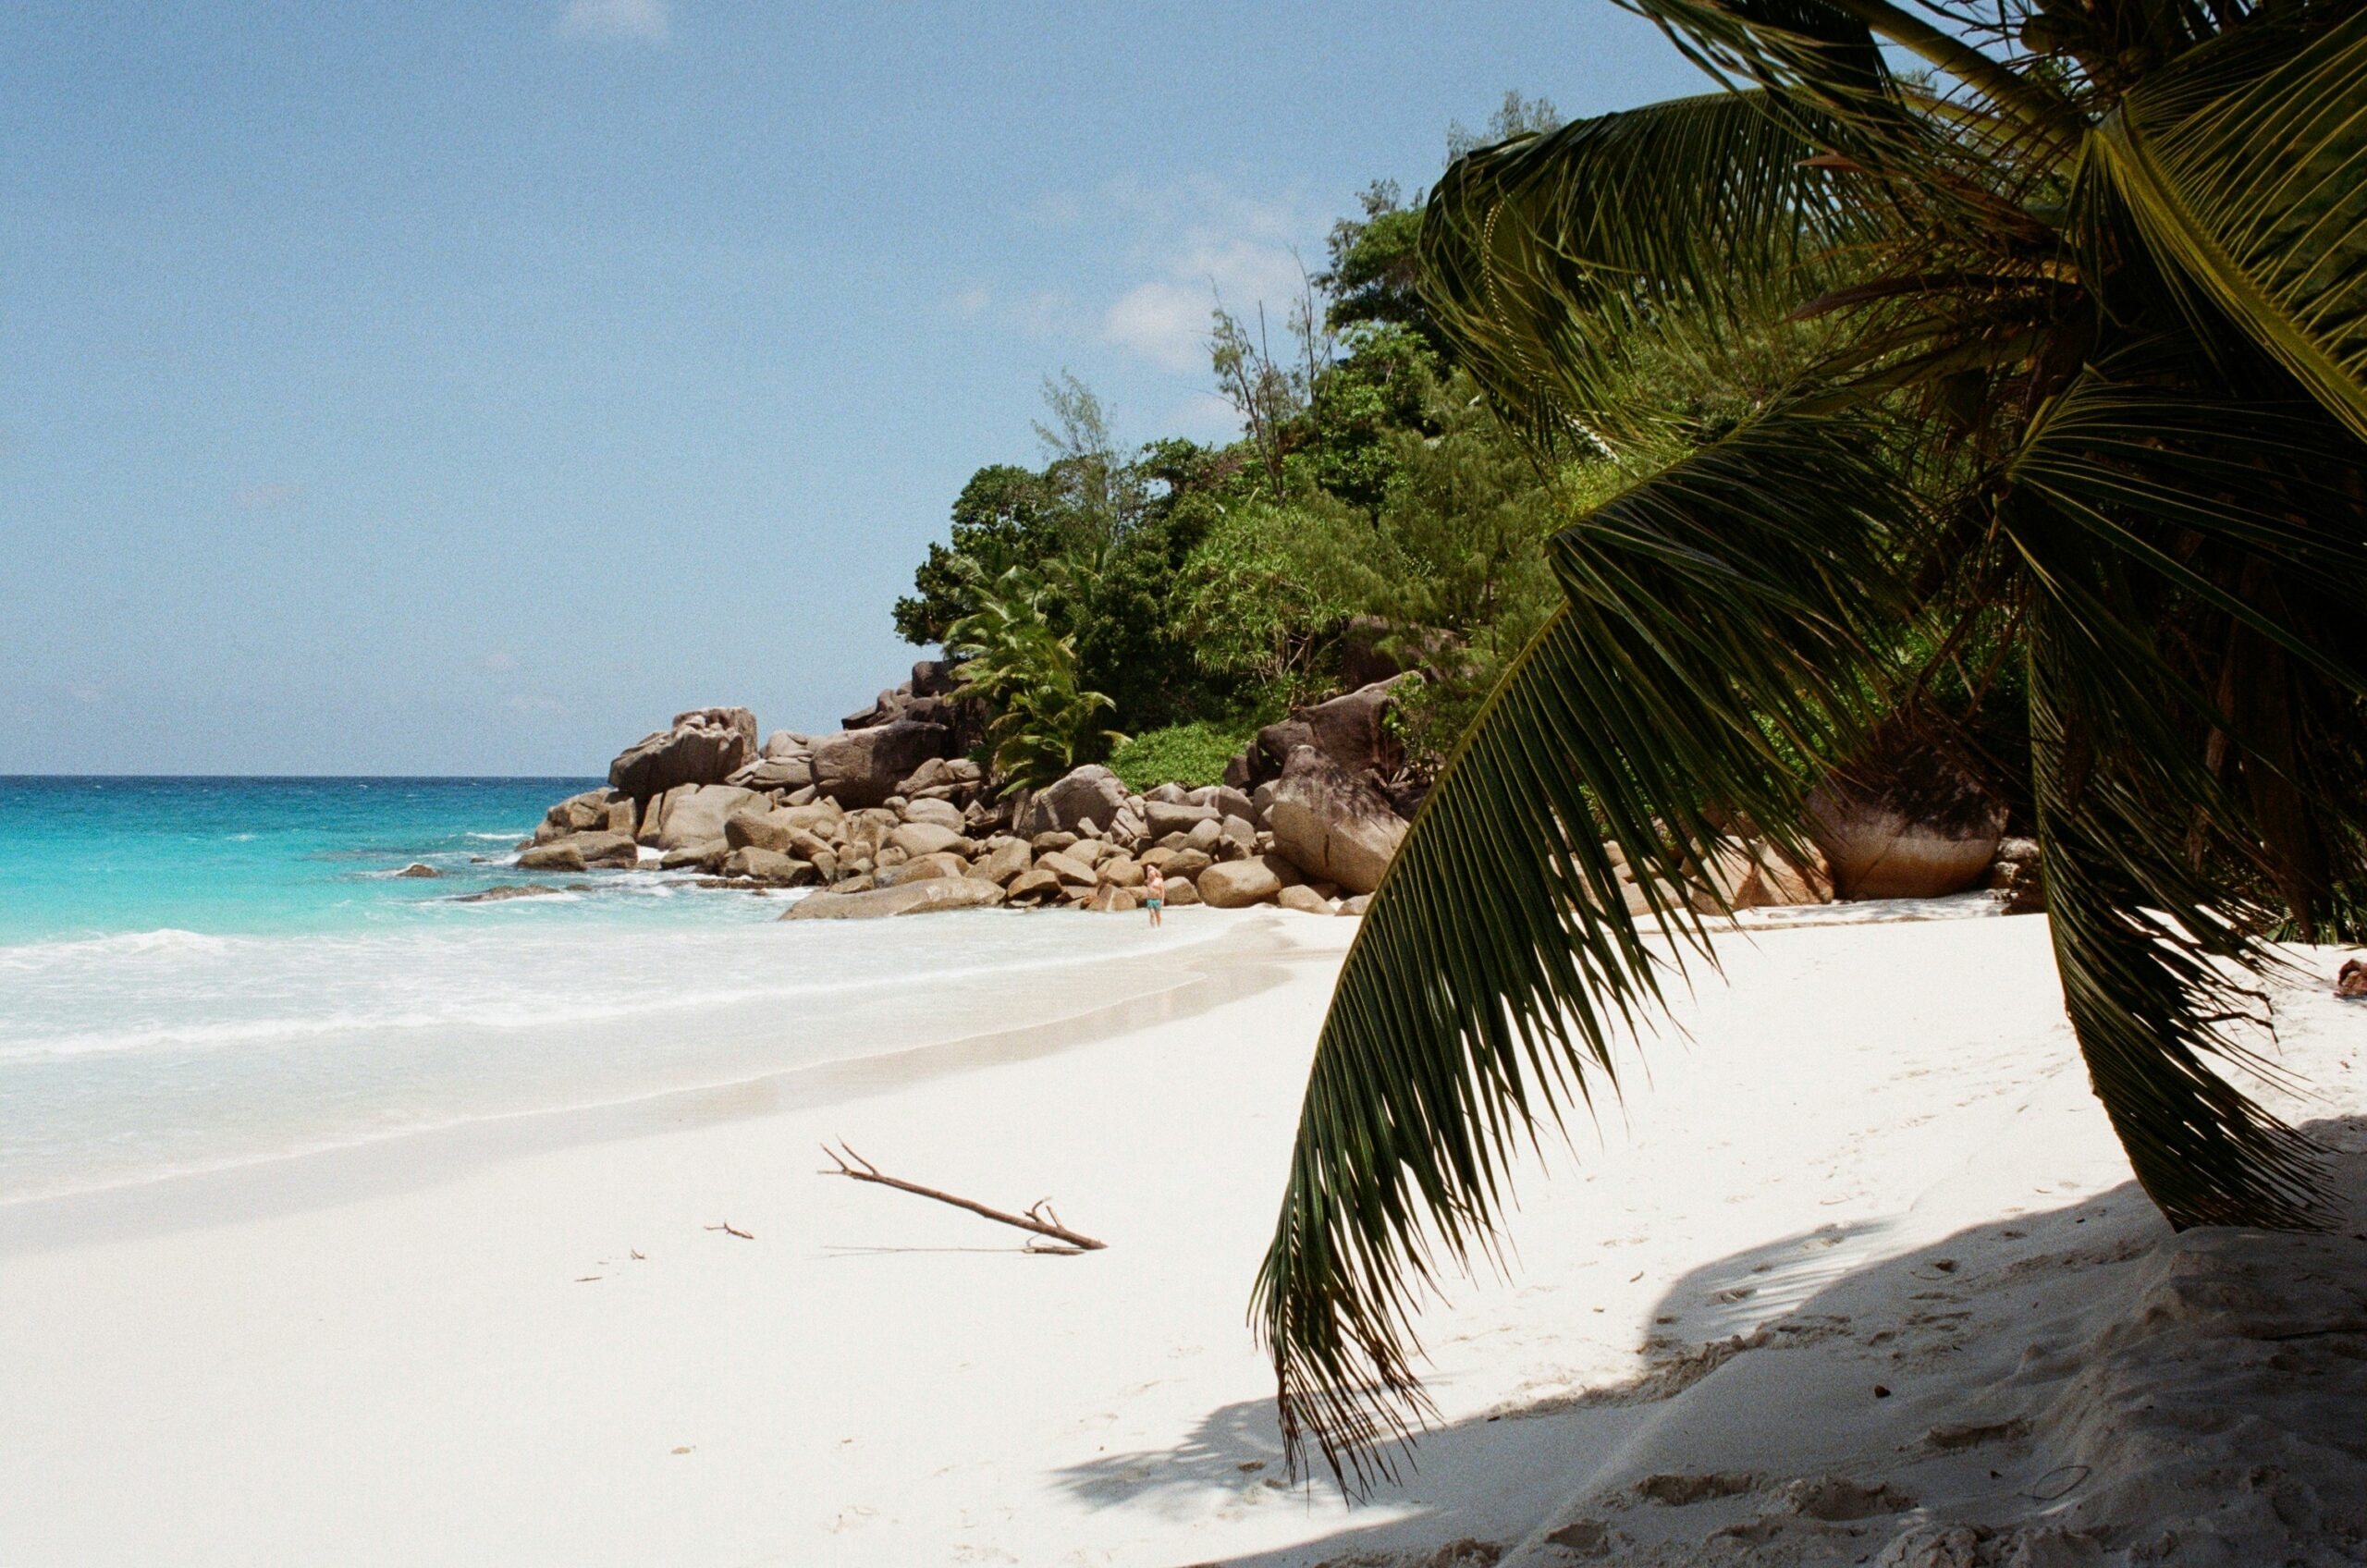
(1039, 1217)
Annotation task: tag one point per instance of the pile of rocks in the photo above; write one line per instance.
(887, 816)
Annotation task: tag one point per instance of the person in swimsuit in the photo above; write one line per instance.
(1154, 893)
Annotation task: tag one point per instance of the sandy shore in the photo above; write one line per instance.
(1864, 1223)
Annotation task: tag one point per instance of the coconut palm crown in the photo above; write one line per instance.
(2051, 323)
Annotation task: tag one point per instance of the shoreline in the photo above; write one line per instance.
(1856, 1256)
(1222, 966)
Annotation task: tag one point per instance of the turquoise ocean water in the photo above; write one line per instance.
(199, 973)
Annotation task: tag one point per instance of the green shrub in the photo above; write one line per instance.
(1189, 754)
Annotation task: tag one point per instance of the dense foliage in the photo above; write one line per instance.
(1376, 513)
(2038, 377)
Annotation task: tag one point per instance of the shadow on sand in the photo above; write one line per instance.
(2053, 1389)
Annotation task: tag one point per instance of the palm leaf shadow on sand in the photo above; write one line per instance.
(2070, 1380)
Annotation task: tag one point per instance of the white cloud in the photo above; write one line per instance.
(638, 21)
(1165, 323)
(971, 301)
(1167, 320)
(1192, 243)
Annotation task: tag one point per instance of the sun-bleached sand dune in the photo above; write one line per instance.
(1851, 1272)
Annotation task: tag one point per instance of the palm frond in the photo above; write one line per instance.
(1567, 263)
(2244, 167)
(1709, 644)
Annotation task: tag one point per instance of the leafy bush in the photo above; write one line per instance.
(1189, 754)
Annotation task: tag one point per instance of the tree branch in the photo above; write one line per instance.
(1039, 1217)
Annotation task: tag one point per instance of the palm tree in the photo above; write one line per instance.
(2058, 341)
(1024, 673)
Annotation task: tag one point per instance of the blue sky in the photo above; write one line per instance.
(465, 387)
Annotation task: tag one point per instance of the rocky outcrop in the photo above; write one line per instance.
(582, 851)
(703, 746)
(511, 890)
(862, 767)
(908, 898)
(1908, 820)
(1333, 824)
(2017, 875)
(792, 772)
(694, 813)
(1238, 884)
(1091, 793)
(1349, 730)
(595, 810)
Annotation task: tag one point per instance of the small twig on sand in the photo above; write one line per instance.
(729, 1229)
(1039, 1217)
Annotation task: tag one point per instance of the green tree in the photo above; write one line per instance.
(2057, 348)
(1004, 517)
(1043, 721)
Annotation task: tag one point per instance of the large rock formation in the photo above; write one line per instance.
(862, 767)
(1908, 820)
(703, 746)
(1333, 824)
(907, 897)
(1090, 794)
(1349, 730)
(694, 813)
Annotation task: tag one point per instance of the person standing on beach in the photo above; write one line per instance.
(1154, 893)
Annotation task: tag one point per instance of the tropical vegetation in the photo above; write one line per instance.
(1376, 504)
(1940, 359)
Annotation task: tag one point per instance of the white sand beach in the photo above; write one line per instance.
(1854, 1273)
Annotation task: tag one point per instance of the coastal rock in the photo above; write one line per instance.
(1784, 880)
(1180, 893)
(1006, 860)
(925, 838)
(614, 851)
(762, 829)
(862, 767)
(943, 779)
(920, 868)
(703, 746)
(559, 854)
(1035, 886)
(1162, 817)
(1238, 884)
(1347, 730)
(594, 811)
(1069, 872)
(769, 866)
(508, 891)
(1120, 871)
(1166, 794)
(939, 812)
(1730, 880)
(692, 814)
(1110, 898)
(910, 898)
(1205, 836)
(784, 743)
(1051, 844)
(775, 772)
(1905, 821)
(2017, 874)
(1305, 899)
(708, 856)
(1333, 824)
(1180, 863)
(1091, 791)
(1238, 829)
(1357, 904)
(417, 869)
